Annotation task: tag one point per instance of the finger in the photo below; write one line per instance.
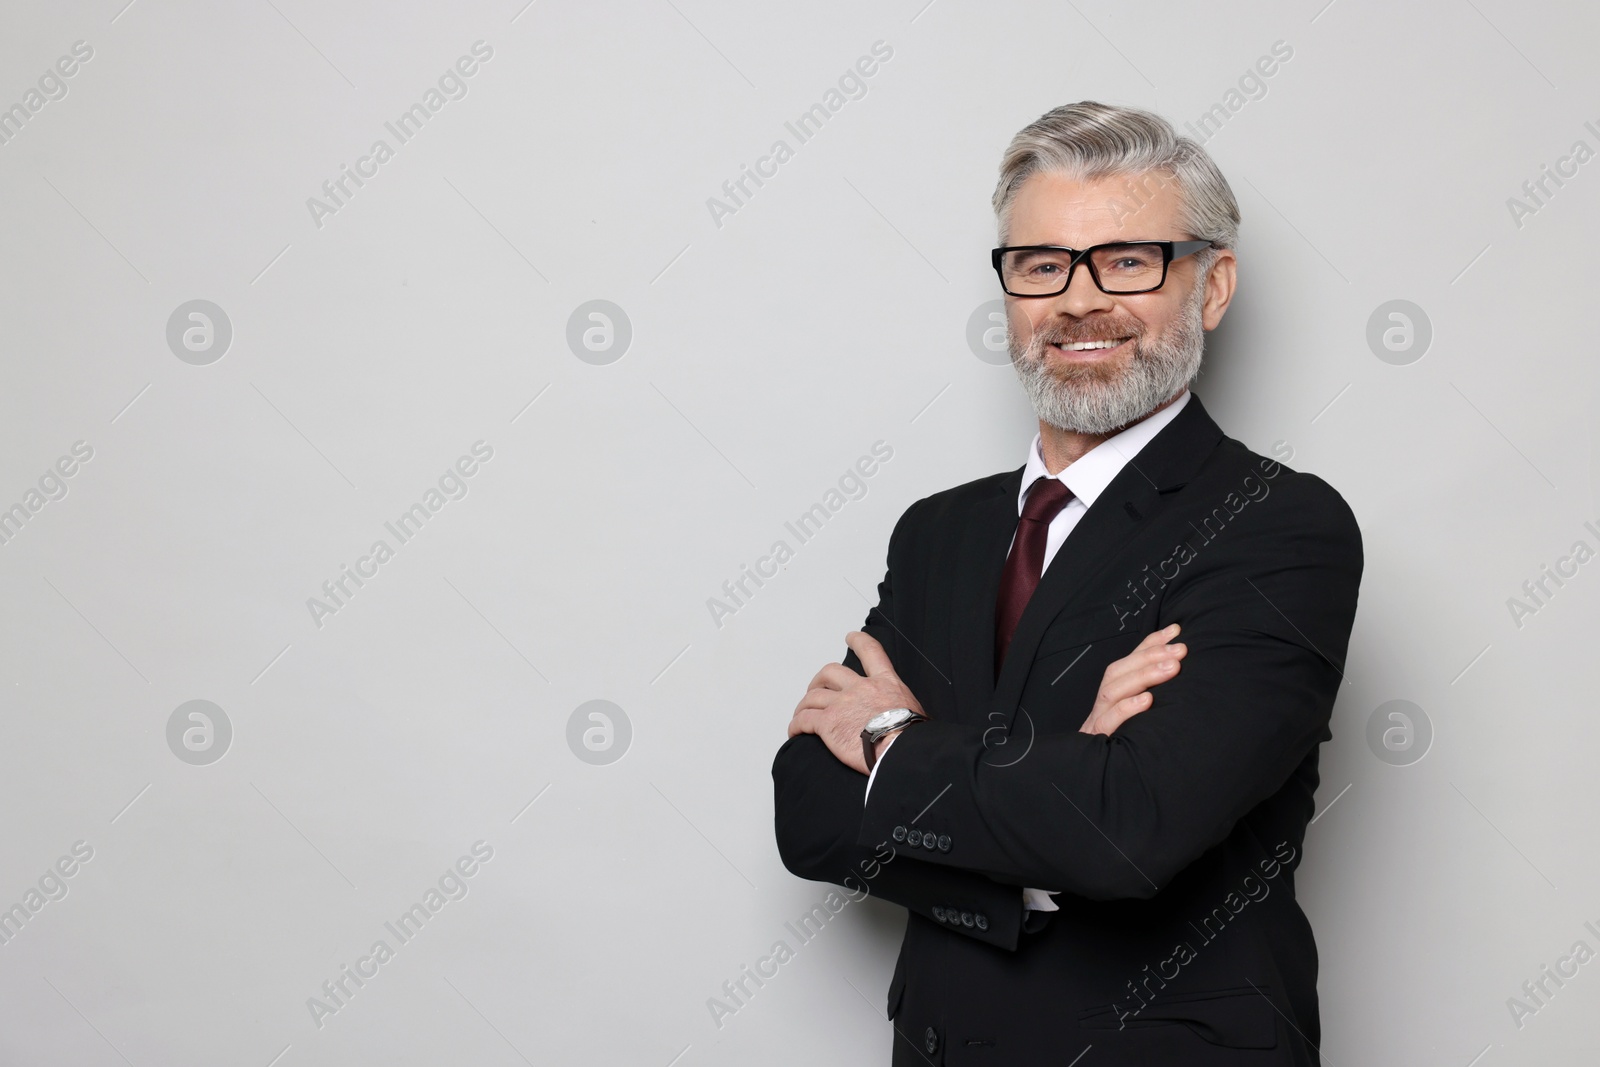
(874, 660)
(1132, 683)
(1105, 720)
(802, 723)
(1108, 720)
(1160, 637)
(1122, 711)
(1147, 650)
(1145, 677)
(1155, 650)
(1139, 659)
(833, 676)
(816, 698)
(820, 679)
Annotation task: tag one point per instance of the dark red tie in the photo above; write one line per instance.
(1025, 564)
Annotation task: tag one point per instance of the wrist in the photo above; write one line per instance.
(881, 728)
(885, 742)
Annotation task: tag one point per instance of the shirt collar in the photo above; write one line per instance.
(1088, 476)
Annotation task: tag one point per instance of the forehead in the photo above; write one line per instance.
(1052, 208)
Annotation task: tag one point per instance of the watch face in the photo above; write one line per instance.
(886, 720)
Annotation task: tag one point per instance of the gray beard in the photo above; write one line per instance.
(1101, 400)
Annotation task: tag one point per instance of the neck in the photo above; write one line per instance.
(1061, 448)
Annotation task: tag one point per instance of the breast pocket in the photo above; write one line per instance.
(1073, 655)
(1069, 633)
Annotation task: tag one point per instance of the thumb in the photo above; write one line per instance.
(874, 660)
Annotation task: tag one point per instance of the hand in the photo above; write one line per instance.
(1125, 687)
(839, 701)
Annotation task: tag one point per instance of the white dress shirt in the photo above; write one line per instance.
(1087, 477)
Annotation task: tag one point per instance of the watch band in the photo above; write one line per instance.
(870, 737)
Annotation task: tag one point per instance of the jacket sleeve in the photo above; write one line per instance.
(818, 801)
(818, 806)
(1266, 618)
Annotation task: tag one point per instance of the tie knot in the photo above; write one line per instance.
(1046, 498)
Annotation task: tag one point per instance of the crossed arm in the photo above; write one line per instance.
(839, 701)
(1117, 809)
(824, 777)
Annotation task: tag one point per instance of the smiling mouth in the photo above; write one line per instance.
(1089, 346)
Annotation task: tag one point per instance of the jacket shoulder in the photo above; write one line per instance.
(951, 506)
(1302, 496)
(958, 499)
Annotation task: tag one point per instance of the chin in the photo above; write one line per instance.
(1086, 376)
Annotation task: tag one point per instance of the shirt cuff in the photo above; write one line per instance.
(1039, 899)
(892, 738)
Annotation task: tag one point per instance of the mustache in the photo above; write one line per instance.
(1071, 331)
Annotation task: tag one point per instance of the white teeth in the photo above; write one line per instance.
(1087, 346)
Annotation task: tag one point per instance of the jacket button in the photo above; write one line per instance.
(914, 838)
(930, 1041)
(938, 912)
(929, 841)
(981, 921)
(944, 842)
(899, 833)
(966, 918)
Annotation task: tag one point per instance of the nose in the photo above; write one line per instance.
(1082, 297)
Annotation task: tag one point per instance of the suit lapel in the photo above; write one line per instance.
(1119, 513)
(980, 559)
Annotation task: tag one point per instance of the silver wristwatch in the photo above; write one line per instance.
(882, 725)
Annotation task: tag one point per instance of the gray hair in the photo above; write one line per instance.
(1090, 140)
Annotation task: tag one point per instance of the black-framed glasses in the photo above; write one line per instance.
(1120, 269)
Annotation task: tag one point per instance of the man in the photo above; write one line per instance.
(1097, 850)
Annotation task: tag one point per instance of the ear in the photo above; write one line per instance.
(1220, 282)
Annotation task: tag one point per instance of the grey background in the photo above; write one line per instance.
(767, 354)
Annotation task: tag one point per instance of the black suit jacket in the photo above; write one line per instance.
(1173, 842)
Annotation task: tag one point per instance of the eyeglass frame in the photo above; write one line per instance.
(1170, 250)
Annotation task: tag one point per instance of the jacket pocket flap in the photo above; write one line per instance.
(1085, 627)
(1232, 1018)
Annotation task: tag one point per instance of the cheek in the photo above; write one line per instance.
(1155, 316)
(1027, 317)
(1156, 327)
